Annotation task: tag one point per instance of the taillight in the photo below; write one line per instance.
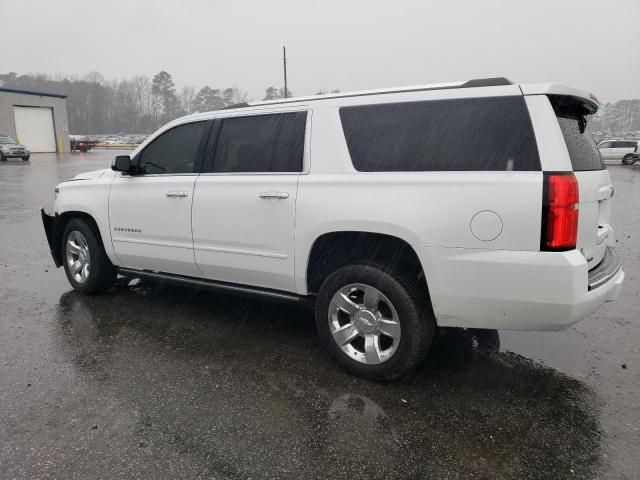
(559, 212)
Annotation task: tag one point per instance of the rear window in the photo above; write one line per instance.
(572, 116)
(583, 151)
(473, 134)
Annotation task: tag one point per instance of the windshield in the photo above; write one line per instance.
(5, 140)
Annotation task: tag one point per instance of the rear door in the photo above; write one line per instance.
(606, 150)
(595, 188)
(623, 148)
(244, 203)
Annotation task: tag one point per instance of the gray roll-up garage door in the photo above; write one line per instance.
(34, 128)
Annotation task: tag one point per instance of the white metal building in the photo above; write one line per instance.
(35, 119)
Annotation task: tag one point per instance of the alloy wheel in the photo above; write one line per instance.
(364, 324)
(78, 258)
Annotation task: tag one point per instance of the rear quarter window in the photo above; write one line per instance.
(473, 134)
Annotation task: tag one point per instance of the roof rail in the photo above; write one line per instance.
(478, 82)
(487, 82)
(235, 105)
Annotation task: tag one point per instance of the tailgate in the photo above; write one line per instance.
(594, 230)
(595, 189)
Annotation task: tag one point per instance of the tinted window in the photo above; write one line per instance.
(583, 150)
(264, 143)
(443, 135)
(290, 148)
(624, 144)
(175, 151)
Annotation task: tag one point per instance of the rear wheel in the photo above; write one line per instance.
(629, 159)
(374, 322)
(86, 264)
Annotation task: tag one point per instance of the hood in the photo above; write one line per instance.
(14, 145)
(91, 175)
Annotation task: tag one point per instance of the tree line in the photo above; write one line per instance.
(135, 105)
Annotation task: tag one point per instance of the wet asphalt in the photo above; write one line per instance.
(151, 381)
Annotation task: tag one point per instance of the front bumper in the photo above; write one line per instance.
(50, 223)
(16, 154)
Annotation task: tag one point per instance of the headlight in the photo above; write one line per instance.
(5, 148)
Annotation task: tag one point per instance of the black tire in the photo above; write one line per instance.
(2, 158)
(102, 274)
(414, 313)
(629, 159)
(26, 158)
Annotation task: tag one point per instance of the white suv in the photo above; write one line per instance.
(481, 205)
(625, 150)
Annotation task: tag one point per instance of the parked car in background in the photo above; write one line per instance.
(9, 148)
(623, 150)
(81, 143)
(393, 219)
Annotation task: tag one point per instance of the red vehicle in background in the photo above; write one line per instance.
(81, 144)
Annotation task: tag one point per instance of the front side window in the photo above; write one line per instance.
(261, 143)
(175, 151)
(473, 134)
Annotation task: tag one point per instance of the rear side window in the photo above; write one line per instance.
(474, 134)
(262, 143)
(624, 144)
(175, 151)
(606, 145)
(583, 151)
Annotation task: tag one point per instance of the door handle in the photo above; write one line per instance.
(273, 195)
(177, 194)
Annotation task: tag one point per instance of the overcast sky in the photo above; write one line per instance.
(348, 45)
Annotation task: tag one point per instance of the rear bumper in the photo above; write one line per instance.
(50, 223)
(514, 290)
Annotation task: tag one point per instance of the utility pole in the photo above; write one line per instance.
(284, 64)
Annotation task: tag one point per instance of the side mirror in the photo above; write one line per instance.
(122, 163)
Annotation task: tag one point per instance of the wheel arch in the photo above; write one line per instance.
(332, 250)
(63, 219)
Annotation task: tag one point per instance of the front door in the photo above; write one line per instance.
(150, 211)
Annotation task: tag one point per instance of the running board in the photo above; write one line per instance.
(213, 285)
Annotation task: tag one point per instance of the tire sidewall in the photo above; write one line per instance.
(95, 250)
(417, 325)
(628, 159)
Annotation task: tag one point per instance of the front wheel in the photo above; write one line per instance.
(86, 264)
(374, 322)
(3, 158)
(629, 159)
(26, 158)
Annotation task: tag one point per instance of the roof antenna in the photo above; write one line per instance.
(284, 65)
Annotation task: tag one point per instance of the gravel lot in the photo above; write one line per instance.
(159, 382)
